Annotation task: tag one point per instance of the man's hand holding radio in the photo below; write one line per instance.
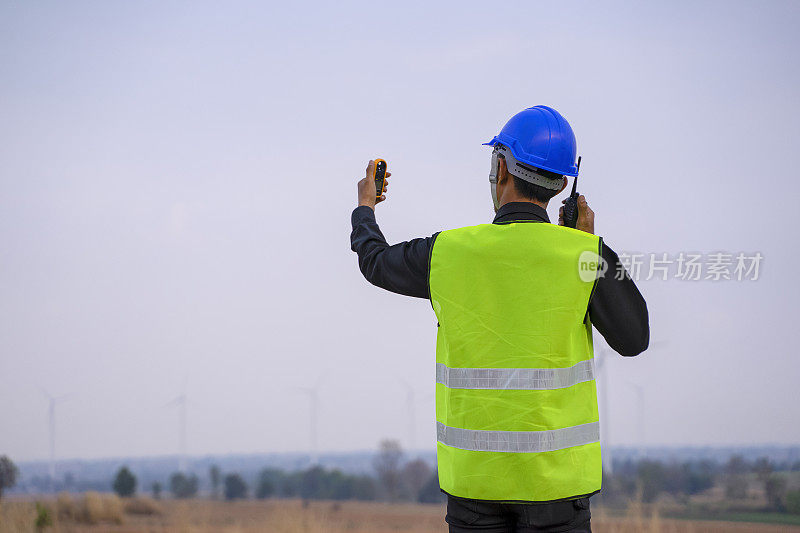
(585, 216)
(366, 188)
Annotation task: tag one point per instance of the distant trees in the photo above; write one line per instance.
(311, 482)
(735, 480)
(397, 478)
(362, 488)
(183, 486)
(699, 477)
(793, 501)
(618, 487)
(415, 474)
(8, 474)
(430, 493)
(762, 467)
(736, 465)
(387, 466)
(124, 483)
(214, 475)
(289, 484)
(652, 479)
(774, 484)
(235, 487)
(648, 479)
(315, 483)
(775, 489)
(268, 483)
(655, 477)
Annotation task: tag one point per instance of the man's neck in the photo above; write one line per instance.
(517, 198)
(520, 212)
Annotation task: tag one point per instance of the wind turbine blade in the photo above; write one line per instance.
(178, 400)
(55, 398)
(308, 391)
(321, 378)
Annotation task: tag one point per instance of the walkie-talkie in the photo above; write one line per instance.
(570, 214)
(380, 176)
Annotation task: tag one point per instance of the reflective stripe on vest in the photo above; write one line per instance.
(518, 441)
(514, 378)
(516, 402)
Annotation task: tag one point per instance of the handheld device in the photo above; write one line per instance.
(380, 176)
(570, 214)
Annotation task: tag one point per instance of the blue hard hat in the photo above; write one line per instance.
(540, 137)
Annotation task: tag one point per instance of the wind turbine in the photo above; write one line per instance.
(640, 397)
(180, 401)
(51, 424)
(313, 397)
(602, 364)
(641, 400)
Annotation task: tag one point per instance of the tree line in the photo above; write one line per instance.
(395, 479)
(648, 480)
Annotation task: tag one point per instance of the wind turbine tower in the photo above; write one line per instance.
(180, 401)
(51, 425)
(313, 397)
(602, 363)
(640, 397)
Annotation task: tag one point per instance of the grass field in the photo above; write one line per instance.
(104, 513)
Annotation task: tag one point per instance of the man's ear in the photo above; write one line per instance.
(502, 170)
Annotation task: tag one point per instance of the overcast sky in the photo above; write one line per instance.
(176, 182)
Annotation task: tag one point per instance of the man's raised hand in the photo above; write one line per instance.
(366, 187)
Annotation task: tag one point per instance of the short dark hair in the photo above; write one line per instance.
(533, 192)
(536, 192)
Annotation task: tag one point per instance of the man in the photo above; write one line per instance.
(516, 405)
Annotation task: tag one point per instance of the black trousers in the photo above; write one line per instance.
(490, 517)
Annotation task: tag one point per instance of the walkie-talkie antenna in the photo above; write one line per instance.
(569, 212)
(575, 181)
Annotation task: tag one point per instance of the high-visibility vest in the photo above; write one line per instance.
(516, 403)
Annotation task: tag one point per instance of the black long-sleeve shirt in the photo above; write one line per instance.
(616, 308)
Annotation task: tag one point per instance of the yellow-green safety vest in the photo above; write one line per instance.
(516, 403)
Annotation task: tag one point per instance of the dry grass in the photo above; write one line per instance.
(91, 509)
(142, 506)
(291, 516)
(16, 517)
(104, 513)
(65, 507)
(98, 508)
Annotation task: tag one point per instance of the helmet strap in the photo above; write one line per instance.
(524, 172)
(493, 180)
